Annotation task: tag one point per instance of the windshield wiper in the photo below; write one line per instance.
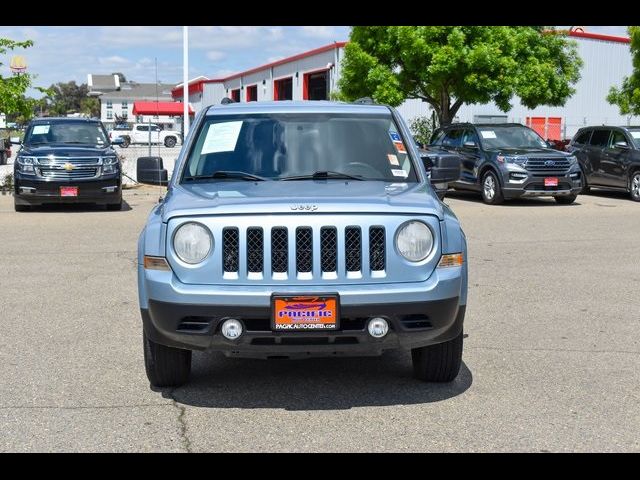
(323, 175)
(228, 174)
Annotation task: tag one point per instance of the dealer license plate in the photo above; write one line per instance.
(551, 182)
(304, 312)
(68, 191)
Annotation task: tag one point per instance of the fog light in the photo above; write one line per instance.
(378, 327)
(231, 329)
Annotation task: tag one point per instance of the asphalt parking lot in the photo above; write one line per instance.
(551, 361)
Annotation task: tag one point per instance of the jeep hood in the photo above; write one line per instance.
(301, 197)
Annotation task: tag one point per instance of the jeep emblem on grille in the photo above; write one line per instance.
(307, 208)
(549, 163)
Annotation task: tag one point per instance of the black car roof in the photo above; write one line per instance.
(467, 124)
(65, 119)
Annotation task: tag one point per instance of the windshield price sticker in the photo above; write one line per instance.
(393, 160)
(40, 130)
(222, 137)
(488, 134)
(399, 173)
(400, 147)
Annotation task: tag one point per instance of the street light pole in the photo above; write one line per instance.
(185, 80)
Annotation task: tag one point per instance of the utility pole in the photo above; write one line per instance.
(185, 82)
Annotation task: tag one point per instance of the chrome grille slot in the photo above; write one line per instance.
(353, 249)
(304, 250)
(255, 250)
(377, 250)
(230, 250)
(329, 249)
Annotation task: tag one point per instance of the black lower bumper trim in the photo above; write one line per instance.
(196, 327)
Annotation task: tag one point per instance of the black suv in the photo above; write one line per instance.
(66, 160)
(609, 158)
(509, 160)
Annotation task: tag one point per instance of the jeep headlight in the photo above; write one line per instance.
(414, 241)
(192, 242)
(109, 164)
(27, 165)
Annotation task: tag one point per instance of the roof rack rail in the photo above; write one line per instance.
(227, 100)
(364, 101)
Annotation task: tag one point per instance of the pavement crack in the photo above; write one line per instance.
(186, 442)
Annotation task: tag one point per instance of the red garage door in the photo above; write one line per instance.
(549, 128)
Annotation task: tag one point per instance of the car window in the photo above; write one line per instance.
(469, 136)
(600, 138)
(438, 137)
(280, 145)
(453, 138)
(617, 136)
(635, 136)
(66, 132)
(583, 137)
(142, 128)
(512, 136)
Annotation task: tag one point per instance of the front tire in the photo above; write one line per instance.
(438, 363)
(126, 142)
(166, 366)
(635, 186)
(565, 199)
(114, 207)
(490, 189)
(170, 142)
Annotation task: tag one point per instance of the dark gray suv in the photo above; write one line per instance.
(509, 160)
(609, 158)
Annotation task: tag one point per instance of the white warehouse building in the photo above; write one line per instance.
(314, 75)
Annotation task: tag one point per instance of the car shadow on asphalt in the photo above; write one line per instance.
(311, 384)
(76, 207)
(516, 202)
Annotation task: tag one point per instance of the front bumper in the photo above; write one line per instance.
(569, 183)
(419, 314)
(29, 190)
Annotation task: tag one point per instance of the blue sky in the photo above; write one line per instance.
(70, 53)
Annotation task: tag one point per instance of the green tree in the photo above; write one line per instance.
(423, 128)
(12, 89)
(67, 97)
(90, 106)
(627, 97)
(453, 65)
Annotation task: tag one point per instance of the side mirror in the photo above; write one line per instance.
(117, 141)
(443, 168)
(621, 145)
(149, 170)
(471, 145)
(15, 141)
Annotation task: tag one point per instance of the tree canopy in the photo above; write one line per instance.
(449, 66)
(12, 89)
(627, 97)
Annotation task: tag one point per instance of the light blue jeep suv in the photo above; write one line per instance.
(300, 229)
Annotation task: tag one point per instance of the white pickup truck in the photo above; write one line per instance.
(139, 133)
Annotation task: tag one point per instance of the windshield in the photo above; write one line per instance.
(289, 146)
(84, 133)
(635, 135)
(510, 137)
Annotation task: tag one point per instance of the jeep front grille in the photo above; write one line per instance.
(254, 244)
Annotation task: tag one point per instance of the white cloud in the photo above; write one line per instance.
(319, 32)
(114, 60)
(215, 55)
